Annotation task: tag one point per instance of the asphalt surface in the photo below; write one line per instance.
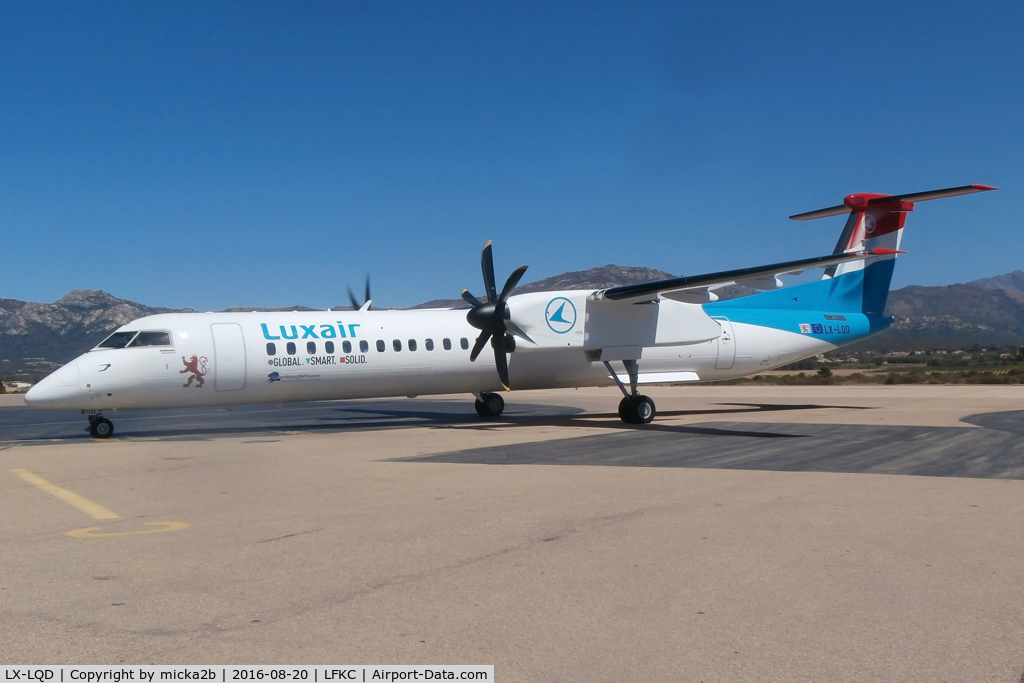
(994, 452)
(25, 425)
(761, 534)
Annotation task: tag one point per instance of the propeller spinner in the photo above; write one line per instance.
(492, 317)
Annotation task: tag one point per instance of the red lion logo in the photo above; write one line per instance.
(196, 366)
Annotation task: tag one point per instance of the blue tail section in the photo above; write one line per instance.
(849, 302)
(839, 310)
(860, 291)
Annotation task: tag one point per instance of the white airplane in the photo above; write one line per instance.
(668, 331)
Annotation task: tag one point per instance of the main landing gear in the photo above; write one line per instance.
(634, 408)
(100, 427)
(489, 404)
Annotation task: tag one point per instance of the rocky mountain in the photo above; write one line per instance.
(595, 278)
(11, 305)
(36, 337)
(1011, 282)
(949, 317)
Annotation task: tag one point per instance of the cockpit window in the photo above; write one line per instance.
(118, 340)
(152, 339)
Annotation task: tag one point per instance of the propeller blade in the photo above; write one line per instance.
(479, 345)
(501, 360)
(366, 299)
(470, 299)
(518, 331)
(511, 282)
(352, 298)
(487, 267)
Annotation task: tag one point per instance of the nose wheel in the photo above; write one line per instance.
(489, 405)
(100, 427)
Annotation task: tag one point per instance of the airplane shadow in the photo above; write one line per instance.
(570, 417)
(987, 453)
(996, 450)
(341, 417)
(1010, 421)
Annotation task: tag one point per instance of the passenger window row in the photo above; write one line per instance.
(364, 346)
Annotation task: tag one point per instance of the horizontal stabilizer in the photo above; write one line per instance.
(861, 202)
(822, 213)
(934, 194)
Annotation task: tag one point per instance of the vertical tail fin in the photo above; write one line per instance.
(876, 222)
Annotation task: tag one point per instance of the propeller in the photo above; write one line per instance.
(365, 306)
(492, 316)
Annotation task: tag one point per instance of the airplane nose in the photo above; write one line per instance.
(60, 389)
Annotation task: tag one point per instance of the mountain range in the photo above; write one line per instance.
(35, 338)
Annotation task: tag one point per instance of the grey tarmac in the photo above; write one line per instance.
(840, 533)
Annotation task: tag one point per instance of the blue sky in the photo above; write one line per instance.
(268, 154)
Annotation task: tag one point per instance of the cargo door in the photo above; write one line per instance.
(726, 346)
(228, 357)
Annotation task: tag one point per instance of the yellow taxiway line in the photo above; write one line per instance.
(90, 508)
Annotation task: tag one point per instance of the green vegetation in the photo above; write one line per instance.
(969, 365)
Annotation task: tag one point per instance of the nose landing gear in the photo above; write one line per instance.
(100, 427)
(489, 404)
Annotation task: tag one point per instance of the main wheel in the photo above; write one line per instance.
(492, 405)
(624, 408)
(643, 409)
(637, 410)
(101, 428)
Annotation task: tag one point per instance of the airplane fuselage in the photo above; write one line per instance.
(237, 358)
(666, 331)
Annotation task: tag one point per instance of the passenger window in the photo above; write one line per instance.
(311, 348)
(464, 343)
(447, 343)
(397, 345)
(152, 339)
(380, 345)
(346, 346)
(429, 344)
(329, 347)
(118, 340)
(364, 345)
(412, 344)
(291, 348)
(271, 349)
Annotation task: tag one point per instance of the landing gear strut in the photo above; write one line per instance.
(634, 408)
(100, 427)
(489, 405)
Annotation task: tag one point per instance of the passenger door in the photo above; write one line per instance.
(228, 357)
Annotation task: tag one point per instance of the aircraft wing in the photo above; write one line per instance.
(759, 277)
